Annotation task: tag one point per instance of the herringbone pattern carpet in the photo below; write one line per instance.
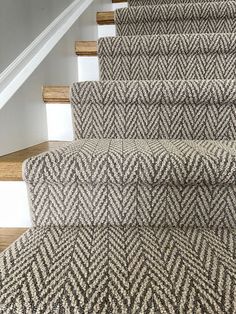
(138, 215)
(120, 270)
(157, 2)
(208, 17)
(135, 182)
(168, 57)
(196, 109)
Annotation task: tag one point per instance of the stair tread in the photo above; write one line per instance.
(9, 235)
(11, 164)
(180, 162)
(160, 2)
(167, 57)
(178, 109)
(86, 48)
(106, 18)
(120, 256)
(176, 19)
(56, 94)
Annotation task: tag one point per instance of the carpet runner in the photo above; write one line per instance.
(120, 270)
(207, 17)
(138, 214)
(177, 109)
(168, 57)
(157, 2)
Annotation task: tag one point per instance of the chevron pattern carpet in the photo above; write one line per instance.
(157, 2)
(138, 214)
(168, 57)
(208, 17)
(182, 109)
(120, 270)
(171, 183)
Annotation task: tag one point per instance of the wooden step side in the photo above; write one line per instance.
(56, 94)
(86, 48)
(118, 1)
(9, 235)
(105, 18)
(11, 164)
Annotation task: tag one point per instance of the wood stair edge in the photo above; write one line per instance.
(56, 94)
(106, 18)
(86, 48)
(10, 235)
(11, 164)
(118, 1)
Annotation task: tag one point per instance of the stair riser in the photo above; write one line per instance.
(14, 205)
(129, 204)
(177, 27)
(176, 57)
(155, 109)
(209, 17)
(179, 121)
(157, 2)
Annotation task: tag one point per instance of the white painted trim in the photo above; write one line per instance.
(23, 66)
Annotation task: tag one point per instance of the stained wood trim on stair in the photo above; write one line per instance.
(118, 1)
(56, 94)
(11, 164)
(105, 18)
(9, 235)
(86, 48)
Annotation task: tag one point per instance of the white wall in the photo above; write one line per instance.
(59, 116)
(22, 21)
(23, 121)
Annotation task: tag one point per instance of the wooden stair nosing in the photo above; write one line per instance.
(9, 235)
(86, 48)
(11, 164)
(118, 1)
(56, 94)
(106, 18)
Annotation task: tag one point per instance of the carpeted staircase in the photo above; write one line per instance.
(138, 215)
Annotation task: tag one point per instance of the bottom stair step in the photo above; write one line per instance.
(11, 164)
(120, 270)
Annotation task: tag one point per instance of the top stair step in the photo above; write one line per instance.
(138, 3)
(184, 18)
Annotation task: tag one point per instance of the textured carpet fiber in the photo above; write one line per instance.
(168, 57)
(157, 2)
(208, 17)
(135, 182)
(120, 270)
(138, 214)
(197, 109)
